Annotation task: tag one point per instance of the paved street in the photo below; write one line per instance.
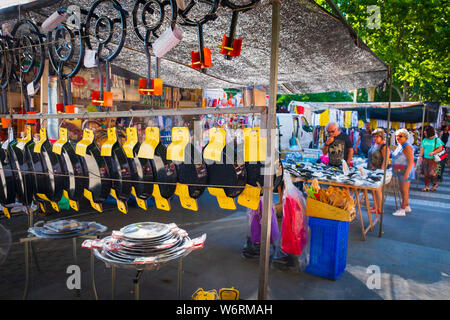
(413, 256)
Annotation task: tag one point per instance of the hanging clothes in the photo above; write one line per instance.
(325, 118)
(354, 119)
(348, 119)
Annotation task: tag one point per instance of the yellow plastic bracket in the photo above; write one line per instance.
(42, 139)
(250, 197)
(6, 212)
(180, 139)
(106, 149)
(22, 142)
(182, 191)
(96, 206)
(58, 145)
(41, 205)
(44, 197)
(85, 142)
(161, 203)
(147, 149)
(140, 202)
(217, 141)
(73, 204)
(222, 199)
(229, 294)
(132, 140)
(254, 145)
(122, 206)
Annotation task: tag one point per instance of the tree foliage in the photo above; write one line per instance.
(413, 38)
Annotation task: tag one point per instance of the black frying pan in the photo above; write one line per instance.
(95, 166)
(73, 166)
(255, 176)
(120, 169)
(7, 183)
(165, 171)
(228, 172)
(192, 171)
(145, 172)
(23, 180)
(57, 176)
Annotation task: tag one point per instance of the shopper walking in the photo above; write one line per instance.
(377, 160)
(430, 146)
(403, 167)
(338, 146)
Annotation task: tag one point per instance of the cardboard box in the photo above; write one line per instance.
(322, 210)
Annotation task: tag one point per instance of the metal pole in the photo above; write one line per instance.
(27, 270)
(268, 171)
(386, 153)
(180, 277)
(113, 282)
(141, 113)
(92, 275)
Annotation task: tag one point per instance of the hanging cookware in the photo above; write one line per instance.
(231, 47)
(144, 168)
(220, 156)
(5, 73)
(72, 165)
(189, 166)
(156, 10)
(23, 178)
(119, 169)
(255, 158)
(7, 183)
(104, 31)
(165, 170)
(99, 185)
(52, 166)
(200, 59)
(29, 58)
(66, 51)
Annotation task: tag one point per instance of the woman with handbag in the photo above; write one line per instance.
(403, 169)
(431, 145)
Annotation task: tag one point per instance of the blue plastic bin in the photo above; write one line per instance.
(328, 248)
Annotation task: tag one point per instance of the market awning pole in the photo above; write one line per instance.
(423, 120)
(383, 197)
(268, 172)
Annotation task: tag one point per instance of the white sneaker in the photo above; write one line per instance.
(399, 213)
(408, 209)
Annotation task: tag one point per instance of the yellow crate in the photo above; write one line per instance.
(322, 210)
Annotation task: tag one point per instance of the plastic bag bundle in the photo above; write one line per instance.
(294, 230)
(255, 217)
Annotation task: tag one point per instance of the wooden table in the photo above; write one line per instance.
(357, 190)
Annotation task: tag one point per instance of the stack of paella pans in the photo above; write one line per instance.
(144, 245)
(62, 229)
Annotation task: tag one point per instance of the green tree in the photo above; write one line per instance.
(413, 38)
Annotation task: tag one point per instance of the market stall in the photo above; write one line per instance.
(303, 22)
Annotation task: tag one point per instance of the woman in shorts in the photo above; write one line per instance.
(403, 168)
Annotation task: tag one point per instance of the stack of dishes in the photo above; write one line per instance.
(144, 245)
(61, 229)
